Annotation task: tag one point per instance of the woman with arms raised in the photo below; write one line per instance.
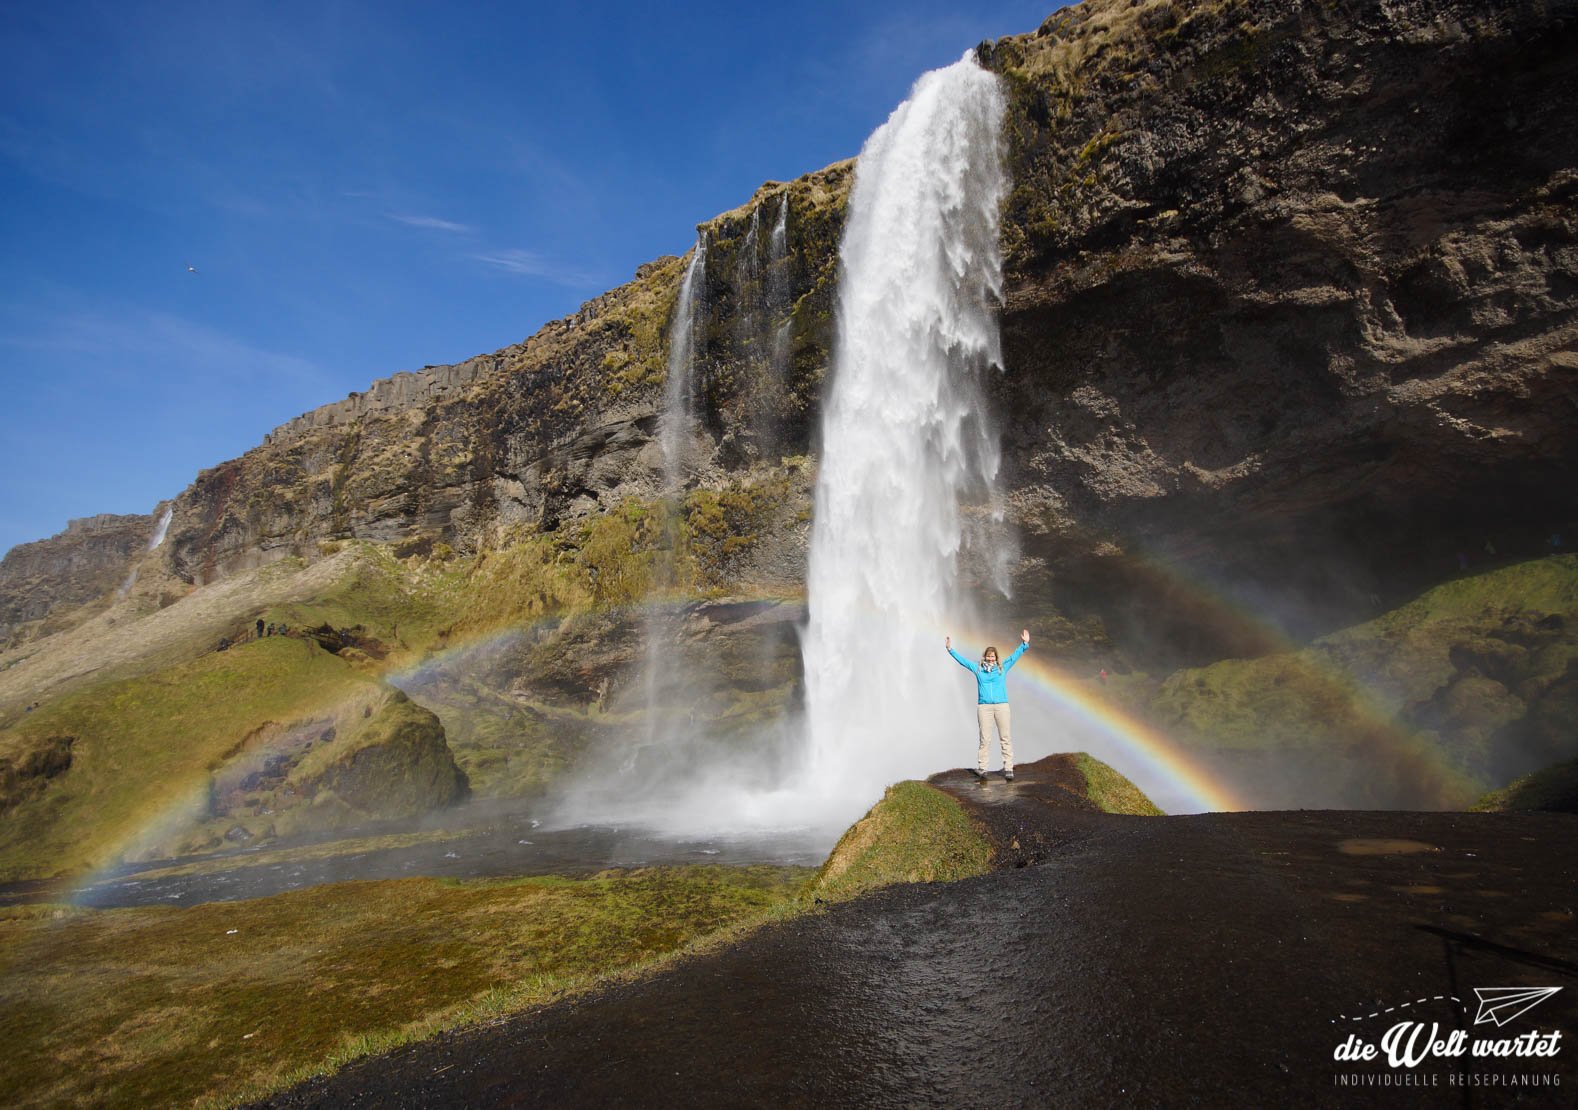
(991, 686)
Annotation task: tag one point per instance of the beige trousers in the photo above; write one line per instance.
(985, 716)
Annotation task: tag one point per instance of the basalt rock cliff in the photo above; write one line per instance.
(87, 561)
(1293, 285)
(1290, 319)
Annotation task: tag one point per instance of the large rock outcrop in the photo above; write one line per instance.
(1291, 311)
(91, 558)
(1294, 286)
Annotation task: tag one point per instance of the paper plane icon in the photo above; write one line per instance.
(1502, 1004)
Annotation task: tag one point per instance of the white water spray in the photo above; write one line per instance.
(677, 434)
(905, 445)
(905, 453)
(778, 297)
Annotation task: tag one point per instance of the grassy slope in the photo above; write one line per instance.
(144, 747)
(915, 834)
(156, 709)
(1111, 792)
(1555, 789)
(161, 1006)
(1441, 687)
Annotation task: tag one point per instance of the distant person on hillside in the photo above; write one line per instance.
(260, 628)
(991, 701)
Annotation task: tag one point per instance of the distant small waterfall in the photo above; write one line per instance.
(160, 527)
(762, 318)
(677, 435)
(778, 294)
(905, 444)
(677, 423)
(748, 289)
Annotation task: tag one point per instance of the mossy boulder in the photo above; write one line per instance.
(1553, 790)
(397, 765)
(1472, 682)
(1110, 791)
(915, 834)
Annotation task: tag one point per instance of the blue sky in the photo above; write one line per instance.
(366, 188)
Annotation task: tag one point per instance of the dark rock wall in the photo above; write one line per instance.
(1294, 287)
(1292, 305)
(89, 559)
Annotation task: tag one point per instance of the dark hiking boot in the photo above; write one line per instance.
(980, 777)
(1008, 776)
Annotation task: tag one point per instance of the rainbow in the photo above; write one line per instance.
(1149, 747)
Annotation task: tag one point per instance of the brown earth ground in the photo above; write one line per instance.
(1210, 960)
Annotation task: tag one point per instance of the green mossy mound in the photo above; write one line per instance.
(1472, 680)
(1553, 790)
(915, 834)
(397, 765)
(1110, 791)
(269, 738)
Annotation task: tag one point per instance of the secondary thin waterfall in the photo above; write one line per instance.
(160, 527)
(677, 422)
(676, 434)
(905, 444)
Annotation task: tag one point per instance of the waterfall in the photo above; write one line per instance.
(905, 445)
(160, 527)
(677, 434)
(748, 291)
(907, 462)
(778, 308)
(677, 423)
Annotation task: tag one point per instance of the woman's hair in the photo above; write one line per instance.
(990, 651)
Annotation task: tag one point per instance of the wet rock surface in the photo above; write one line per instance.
(1212, 960)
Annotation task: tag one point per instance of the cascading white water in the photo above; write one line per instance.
(676, 434)
(905, 445)
(160, 527)
(677, 423)
(748, 286)
(778, 295)
(905, 453)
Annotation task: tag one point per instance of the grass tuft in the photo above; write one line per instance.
(915, 834)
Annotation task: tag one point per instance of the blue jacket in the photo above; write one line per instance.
(991, 683)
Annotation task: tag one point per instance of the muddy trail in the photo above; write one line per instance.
(1213, 960)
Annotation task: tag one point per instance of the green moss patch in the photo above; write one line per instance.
(226, 1001)
(1437, 695)
(915, 834)
(1553, 790)
(142, 748)
(1111, 792)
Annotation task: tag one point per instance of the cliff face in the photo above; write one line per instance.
(88, 560)
(1294, 286)
(1292, 301)
(557, 427)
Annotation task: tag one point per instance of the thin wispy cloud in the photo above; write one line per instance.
(430, 223)
(181, 348)
(532, 264)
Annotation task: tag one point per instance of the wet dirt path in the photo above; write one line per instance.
(1214, 960)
